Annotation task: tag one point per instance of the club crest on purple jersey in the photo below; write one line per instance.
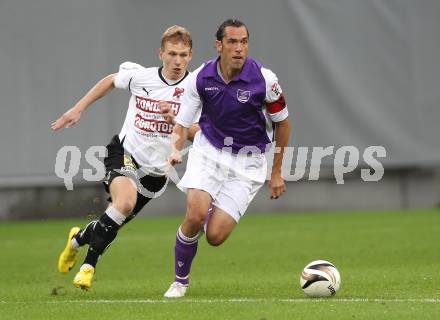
(243, 96)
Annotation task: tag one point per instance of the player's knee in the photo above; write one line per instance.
(195, 216)
(125, 206)
(195, 220)
(215, 238)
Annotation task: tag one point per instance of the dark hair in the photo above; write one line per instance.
(229, 23)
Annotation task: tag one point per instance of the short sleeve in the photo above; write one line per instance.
(190, 109)
(275, 102)
(125, 75)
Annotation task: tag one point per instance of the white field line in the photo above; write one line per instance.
(238, 300)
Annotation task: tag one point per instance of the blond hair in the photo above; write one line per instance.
(176, 34)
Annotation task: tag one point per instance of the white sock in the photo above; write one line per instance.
(115, 215)
(85, 265)
(186, 239)
(74, 243)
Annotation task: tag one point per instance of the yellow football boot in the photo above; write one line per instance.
(83, 278)
(67, 258)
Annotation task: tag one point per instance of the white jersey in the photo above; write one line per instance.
(146, 135)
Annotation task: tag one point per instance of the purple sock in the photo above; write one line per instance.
(185, 251)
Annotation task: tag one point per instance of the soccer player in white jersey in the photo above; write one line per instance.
(242, 110)
(137, 156)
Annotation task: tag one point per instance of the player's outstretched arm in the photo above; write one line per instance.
(73, 115)
(276, 183)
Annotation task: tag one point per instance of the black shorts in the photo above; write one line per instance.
(127, 166)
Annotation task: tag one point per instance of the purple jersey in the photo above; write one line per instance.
(234, 110)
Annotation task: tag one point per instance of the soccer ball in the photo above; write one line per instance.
(320, 278)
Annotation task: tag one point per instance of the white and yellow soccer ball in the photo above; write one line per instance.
(320, 278)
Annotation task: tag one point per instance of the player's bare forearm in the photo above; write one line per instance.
(282, 133)
(72, 116)
(100, 89)
(192, 131)
(178, 138)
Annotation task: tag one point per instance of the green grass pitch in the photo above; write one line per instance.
(389, 264)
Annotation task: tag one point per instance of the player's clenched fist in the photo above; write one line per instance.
(277, 186)
(175, 158)
(165, 108)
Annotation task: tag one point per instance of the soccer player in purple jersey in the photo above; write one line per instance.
(242, 111)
